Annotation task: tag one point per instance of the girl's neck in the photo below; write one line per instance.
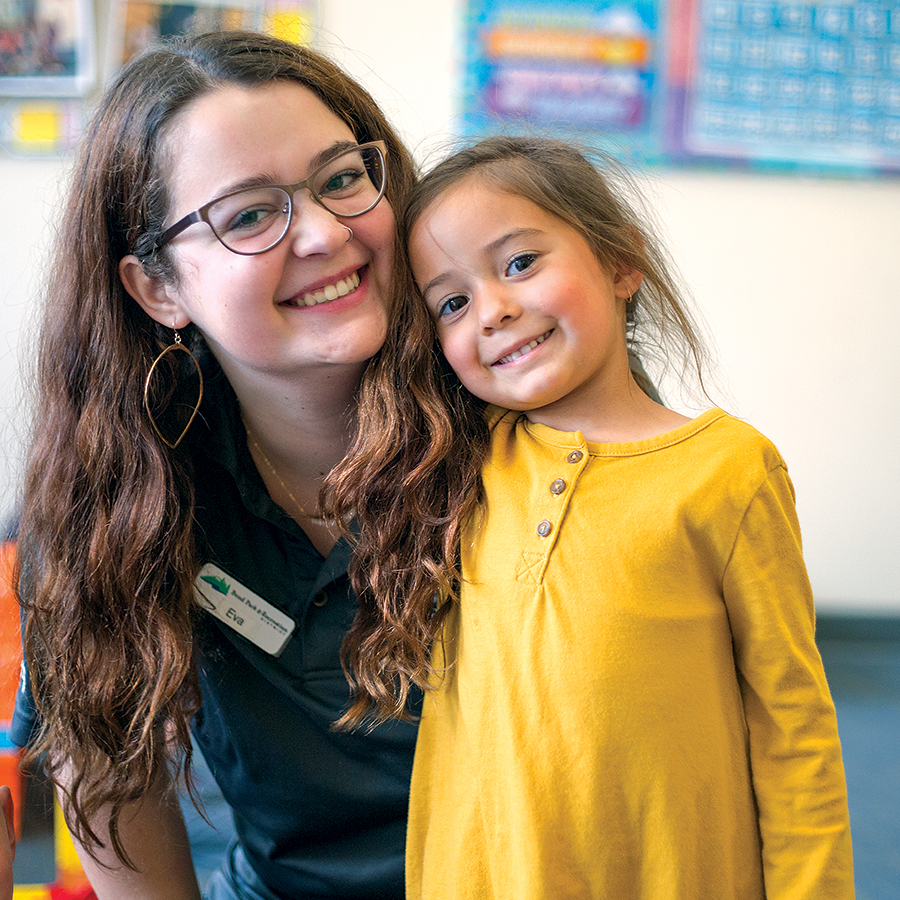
(628, 415)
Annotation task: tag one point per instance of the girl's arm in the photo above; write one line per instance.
(155, 838)
(798, 773)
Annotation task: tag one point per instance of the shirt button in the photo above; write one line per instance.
(574, 456)
(558, 486)
(320, 599)
(544, 528)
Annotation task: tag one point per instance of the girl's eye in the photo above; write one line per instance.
(446, 308)
(520, 263)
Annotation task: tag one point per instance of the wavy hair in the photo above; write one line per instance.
(107, 549)
(413, 475)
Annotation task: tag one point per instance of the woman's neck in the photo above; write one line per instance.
(297, 432)
(307, 423)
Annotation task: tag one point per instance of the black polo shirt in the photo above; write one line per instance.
(319, 814)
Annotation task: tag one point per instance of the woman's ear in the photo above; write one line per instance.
(627, 281)
(152, 294)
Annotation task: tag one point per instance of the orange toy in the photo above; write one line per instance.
(70, 883)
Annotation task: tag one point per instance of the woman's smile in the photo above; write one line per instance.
(327, 293)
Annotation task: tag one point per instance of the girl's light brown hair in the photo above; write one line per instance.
(413, 476)
(106, 547)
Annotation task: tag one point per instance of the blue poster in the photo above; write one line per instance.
(587, 69)
(808, 83)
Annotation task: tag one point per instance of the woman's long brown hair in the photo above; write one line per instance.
(413, 475)
(106, 542)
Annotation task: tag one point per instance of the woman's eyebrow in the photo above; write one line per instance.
(263, 180)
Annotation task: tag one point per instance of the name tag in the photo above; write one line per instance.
(239, 608)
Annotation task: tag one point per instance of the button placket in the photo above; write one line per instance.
(558, 489)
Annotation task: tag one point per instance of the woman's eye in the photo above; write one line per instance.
(341, 182)
(451, 305)
(250, 218)
(521, 263)
(253, 219)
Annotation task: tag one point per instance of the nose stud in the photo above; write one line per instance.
(349, 232)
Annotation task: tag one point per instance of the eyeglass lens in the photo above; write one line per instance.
(256, 219)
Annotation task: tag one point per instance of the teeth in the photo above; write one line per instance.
(518, 354)
(331, 291)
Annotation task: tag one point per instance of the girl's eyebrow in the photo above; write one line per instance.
(489, 250)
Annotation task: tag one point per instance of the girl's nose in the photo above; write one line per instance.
(313, 229)
(496, 308)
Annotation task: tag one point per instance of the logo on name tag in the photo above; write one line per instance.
(242, 610)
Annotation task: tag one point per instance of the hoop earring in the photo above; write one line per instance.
(175, 345)
(349, 233)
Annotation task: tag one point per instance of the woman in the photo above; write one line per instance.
(229, 235)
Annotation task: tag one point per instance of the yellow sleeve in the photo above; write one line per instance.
(795, 753)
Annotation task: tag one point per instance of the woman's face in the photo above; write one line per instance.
(252, 309)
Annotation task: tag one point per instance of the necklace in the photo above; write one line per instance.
(315, 519)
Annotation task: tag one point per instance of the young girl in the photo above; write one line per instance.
(627, 699)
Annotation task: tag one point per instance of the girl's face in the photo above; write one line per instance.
(252, 309)
(526, 315)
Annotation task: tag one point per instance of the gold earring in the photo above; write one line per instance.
(175, 345)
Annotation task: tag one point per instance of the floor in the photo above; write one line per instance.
(862, 661)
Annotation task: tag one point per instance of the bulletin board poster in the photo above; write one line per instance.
(589, 69)
(802, 83)
(40, 126)
(138, 24)
(46, 47)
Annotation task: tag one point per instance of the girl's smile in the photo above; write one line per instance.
(523, 351)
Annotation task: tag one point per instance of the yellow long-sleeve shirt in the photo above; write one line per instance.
(633, 706)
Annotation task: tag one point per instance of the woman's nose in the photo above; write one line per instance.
(314, 229)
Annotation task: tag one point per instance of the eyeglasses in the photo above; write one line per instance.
(253, 220)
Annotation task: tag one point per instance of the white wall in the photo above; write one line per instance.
(798, 279)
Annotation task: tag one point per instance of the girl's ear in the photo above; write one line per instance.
(153, 295)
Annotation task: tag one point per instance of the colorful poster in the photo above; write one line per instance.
(40, 126)
(137, 24)
(807, 83)
(572, 66)
(46, 47)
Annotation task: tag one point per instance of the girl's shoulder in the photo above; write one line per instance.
(735, 437)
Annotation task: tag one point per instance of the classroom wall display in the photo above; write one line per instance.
(46, 47)
(48, 51)
(136, 24)
(40, 126)
(798, 82)
(803, 84)
(580, 67)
